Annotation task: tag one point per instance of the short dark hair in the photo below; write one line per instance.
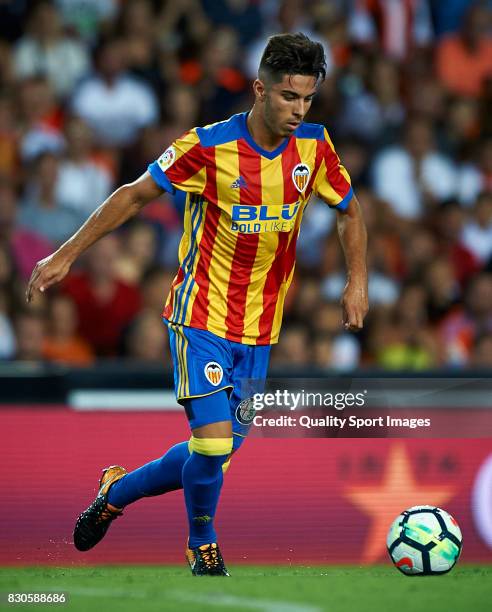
(292, 54)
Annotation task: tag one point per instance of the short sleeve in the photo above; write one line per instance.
(332, 182)
(181, 166)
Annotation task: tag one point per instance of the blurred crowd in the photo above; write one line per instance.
(91, 91)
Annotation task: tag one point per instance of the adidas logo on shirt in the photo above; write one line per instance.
(238, 183)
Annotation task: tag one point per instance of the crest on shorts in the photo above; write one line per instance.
(213, 373)
(245, 411)
(167, 159)
(300, 176)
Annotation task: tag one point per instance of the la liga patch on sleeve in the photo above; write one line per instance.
(167, 159)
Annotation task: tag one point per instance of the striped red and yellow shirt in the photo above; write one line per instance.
(243, 211)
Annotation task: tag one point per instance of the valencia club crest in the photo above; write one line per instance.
(213, 373)
(300, 176)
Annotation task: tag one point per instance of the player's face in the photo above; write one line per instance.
(287, 102)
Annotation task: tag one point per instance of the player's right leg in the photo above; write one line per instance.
(202, 377)
(92, 524)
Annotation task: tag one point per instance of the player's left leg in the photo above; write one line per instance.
(211, 445)
(216, 439)
(203, 472)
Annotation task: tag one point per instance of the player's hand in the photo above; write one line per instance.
(47, 272)
(355, 304)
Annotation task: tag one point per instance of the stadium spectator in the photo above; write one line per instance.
(415, 176)
(9, 137)
(385, 254)
(138, 27)
(40, 119)
(458, 136)
(183, 25)
(7, 73)
(306, 298)
(115, 104)
(443, 290)
(9, 283)
(448, 16)
(449, 221)
(219, 80)
(317, 224)
(375, 113)
(46, 51)
(467, 321)
(137, 20)
(7, 333)
(383, 290)
(395, 347)
(181, 109)
(464, 59)
(81, 184)
(147, 339)
(345, 349)
(477, 232)
(293, 349)
(242, 15)
(322, 350)
(484, 122)
(87, 17)
(355, 155)
(398, 27)
(139, 253)
(41, 210)
(26, 246)
(29, 328)
(61, 343)
(481, 356)
(155, 286)
(476, 177)
(105, 305)
(13, 19)
(420, 248)
(412, 306)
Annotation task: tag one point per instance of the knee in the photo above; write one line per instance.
(209, 455)
(211, 447)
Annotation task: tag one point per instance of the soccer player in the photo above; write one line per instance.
(247, 182)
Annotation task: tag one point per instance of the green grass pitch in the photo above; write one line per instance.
(263, 588)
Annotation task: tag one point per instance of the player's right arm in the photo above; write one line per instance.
(120, 206)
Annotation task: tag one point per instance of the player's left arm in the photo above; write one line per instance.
(353, 238)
